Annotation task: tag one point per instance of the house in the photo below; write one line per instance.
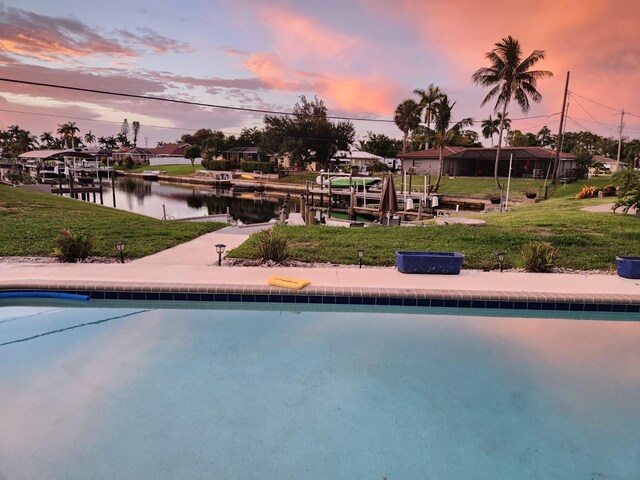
(356, 158)
(245, 154)
(528, 162)
(169, 150)
(137, 154)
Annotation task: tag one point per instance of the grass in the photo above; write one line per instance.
(30, 221)
(585, 240)
(168, 169)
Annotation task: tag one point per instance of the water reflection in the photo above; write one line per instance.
(184, 201)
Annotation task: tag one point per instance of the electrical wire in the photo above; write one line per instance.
(585, 111)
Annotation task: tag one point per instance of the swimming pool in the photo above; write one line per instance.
(165, 390)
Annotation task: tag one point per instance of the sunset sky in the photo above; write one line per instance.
(362, 57)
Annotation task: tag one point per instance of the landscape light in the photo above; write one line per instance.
(220, 249)
(120, 249)
(500, 257)
(360, 256)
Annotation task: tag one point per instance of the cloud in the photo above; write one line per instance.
(58, 39)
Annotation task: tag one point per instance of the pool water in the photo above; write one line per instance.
(134, 392)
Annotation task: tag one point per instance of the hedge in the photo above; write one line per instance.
(264, 167)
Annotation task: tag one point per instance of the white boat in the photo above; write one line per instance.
(151, 174)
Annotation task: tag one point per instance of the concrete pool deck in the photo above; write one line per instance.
(192, 268)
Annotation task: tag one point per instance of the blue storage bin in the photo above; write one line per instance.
(628, 267)
(429, 262)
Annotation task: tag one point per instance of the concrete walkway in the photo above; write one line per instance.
(192, 266)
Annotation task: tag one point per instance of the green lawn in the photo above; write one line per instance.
(585, 240)
(168, 169)
(30, 221)
(298, 178)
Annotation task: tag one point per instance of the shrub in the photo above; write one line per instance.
(272, 247)
(128, 162)
(628, 199)
(73, 247)
(264, 167)
(587, 192)
(609, 191)
(539, 256)
(218, 165)
(378, 167)
(18, 177)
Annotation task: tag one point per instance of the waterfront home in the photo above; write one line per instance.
(528, 162)
(355, 158)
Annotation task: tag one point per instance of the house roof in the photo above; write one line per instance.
(46, 154)
(519, 153)
(138, 150)
(431, 153)
(243, 150)
(176, 149)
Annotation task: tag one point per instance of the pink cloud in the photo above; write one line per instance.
(58, 39)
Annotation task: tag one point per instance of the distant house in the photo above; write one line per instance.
(528, 162)
(137, 154)
(245, 154)
(169, 150)
(356, 158)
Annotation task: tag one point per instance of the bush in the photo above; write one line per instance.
(128, 162)
(539, 256)
(378, 167)
(628, 199)
(19, 177)
(217, 165)
(264, 167)
(72, 247)
(609, 191)
(587, 192)
(272, 247)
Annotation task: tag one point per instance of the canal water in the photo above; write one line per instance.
(186, 201)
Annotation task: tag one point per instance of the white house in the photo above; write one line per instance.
(356, 158)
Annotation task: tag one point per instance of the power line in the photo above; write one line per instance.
(183, 102)
(597, 103)
(585, 111)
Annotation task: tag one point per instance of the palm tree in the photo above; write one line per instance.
(47, 140)
(506, 124)
(443, 133)
(136, 128)
(90, 138)
(490, 127)
(428, 99)
(67, 132)
(407, 118)
(511, 78)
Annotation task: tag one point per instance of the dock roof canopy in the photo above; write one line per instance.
(54, 154)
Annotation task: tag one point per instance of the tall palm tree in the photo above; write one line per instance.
(506, 124)
(407, 118)
(444, 133)
(510, 78)
(428, 99)
(136, 128)
(490, 127)
(90, 138)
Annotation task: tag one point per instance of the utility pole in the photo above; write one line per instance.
(620, 141)
(556, 161)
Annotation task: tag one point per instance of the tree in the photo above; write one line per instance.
(546, 138)
(123, 136)
(136, 128)
(443, 133)
(250, 137)
(407, 118)
(428, 99)
(490, 127)
(15, 141)
(307, 135)
(381, 145)
(626, 177)
(89, 137)
(47, 140)
(198, 137)
(517, 138)
(192, 152)
(503, 118)
(67, 133)
(510, 78)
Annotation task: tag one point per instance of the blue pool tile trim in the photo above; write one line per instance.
(381, 297)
